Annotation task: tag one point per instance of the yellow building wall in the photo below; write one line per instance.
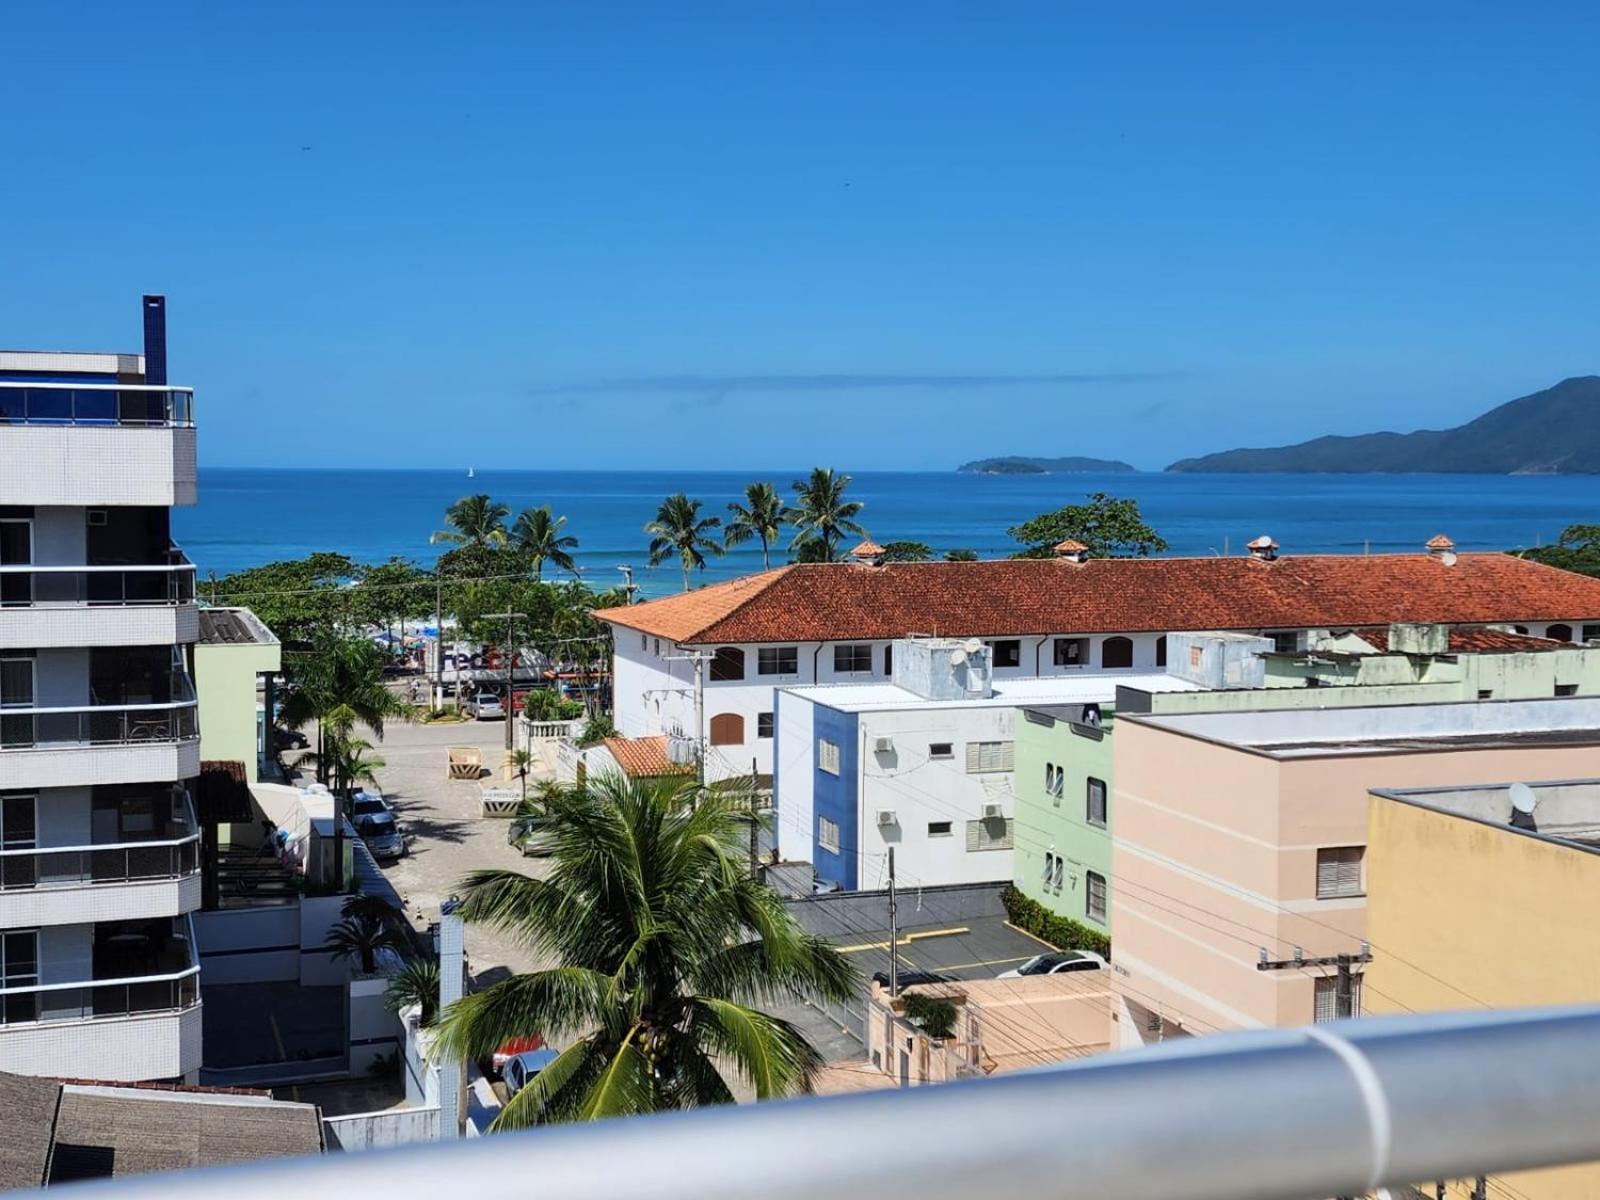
(1462, 914)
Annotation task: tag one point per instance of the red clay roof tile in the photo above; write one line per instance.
(645, 757)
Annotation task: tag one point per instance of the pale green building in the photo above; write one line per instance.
(236, 663)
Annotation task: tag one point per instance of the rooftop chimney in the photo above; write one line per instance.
(868, 553)
(155, 340)
(1072, 551)
(1263, 548)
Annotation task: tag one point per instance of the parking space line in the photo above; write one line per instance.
(953, 931)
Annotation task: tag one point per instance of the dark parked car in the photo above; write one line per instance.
(910, 978)
(289, 739)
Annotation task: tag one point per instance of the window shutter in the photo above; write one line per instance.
(972, 835)
(974, 757)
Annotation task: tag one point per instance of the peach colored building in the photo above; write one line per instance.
(1243, 835)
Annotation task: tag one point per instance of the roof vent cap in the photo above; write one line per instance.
(1072, 550)
(868, 553)
(1263, 548)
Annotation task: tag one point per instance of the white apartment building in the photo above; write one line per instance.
(1068, 617)
(99, 847)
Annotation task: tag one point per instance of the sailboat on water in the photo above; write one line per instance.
(471, 474)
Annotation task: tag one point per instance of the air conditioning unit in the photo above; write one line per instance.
(97, 516)
(886, 817)
(993, 812)
(882, 745)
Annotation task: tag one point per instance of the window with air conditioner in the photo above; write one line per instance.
(1339, 872)
(828, 834)
(1094, 896)
(778, 660)
(828, 756)
(852, 659)
(1007, 653)
(1095, 802)
(989, 756)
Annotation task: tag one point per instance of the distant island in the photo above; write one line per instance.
(1553, 432)
(1013, 464)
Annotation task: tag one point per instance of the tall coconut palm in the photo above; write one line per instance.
(537, 533)
(415, 983)
(663, 945)
(338, 682)
(822, 516)
(474, 521)
(760, 516)
(680, 529)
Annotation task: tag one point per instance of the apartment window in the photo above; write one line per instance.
(1485, 693)
(18, 831)
(1566, 689)
(852, 659)
(888, 661)
(16, 550)
(1007, 653)
(644, 642)
(658, 647)
(828, 756)
(778, 660)
(939, 828)
(1161, 650)
(1326, 1006)
(1049, 867)
(989, 756)
(990, 835)
(1094, 897)
(1285, 642)
(941, 750)
(1116, 652)
(764, 725)
(1059, 784)
(19, 967)
(1060, 873)
(1558, 633)
(727, 665)
(1339, 871)
(1095, 802)
(1070, 652)
(1049, 777)
(828, 834)
(727, 729)
(1591, 633)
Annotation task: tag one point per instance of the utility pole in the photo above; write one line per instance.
(699, 658)
(1344, 993)
(894, 935)
(438, 640)
(628, 585)
(509, 654)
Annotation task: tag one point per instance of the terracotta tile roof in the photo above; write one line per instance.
(1070, 546)
(1474, 641)
(829, 602)
(645, 757)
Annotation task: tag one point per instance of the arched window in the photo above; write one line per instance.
(1561, 633)
(727, 665)
(1161, 650)
(1116, 652)
(727, 729)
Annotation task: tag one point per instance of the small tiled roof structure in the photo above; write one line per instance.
(646, 757)
(1477, 640)
(866, 550)
(1070, 546)
(833, 602)
(1439, 542)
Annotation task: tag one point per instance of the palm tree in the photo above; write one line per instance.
(523, 761)
(474, 521)
(822, 516)
(368, 926)
(760, 516)
(537, 533)
(417, 982)
(339, 682)
(348, 759)
(680, 529)
(662, 945)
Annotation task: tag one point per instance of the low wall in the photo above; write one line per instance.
(381, 1130)
(373, 1031)
(249, 945)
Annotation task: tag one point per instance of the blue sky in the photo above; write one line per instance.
(876, 236)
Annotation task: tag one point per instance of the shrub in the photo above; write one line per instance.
(937, 1017)
(597, 729)
(1061, 932)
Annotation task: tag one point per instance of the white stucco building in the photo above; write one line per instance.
(99, 858)
(1062, 618)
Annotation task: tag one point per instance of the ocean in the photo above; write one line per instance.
(246, 517)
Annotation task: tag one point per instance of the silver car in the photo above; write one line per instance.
(381, 833)
(486, 706)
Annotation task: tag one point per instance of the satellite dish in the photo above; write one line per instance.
(959, 657)
(1523, 798)
(972, 646)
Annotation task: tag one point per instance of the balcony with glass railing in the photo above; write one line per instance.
(96, 443)
(134, 1016)
(99, 604)
(103, 743)
(153, 872)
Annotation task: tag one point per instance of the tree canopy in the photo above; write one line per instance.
(1108, 526)
(1577, 549)
(907, 552)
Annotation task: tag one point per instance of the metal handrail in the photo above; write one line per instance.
(1337, 1109)
(31, 585)
(152, 844)
(90, 569)
(176, 408)
(122, 981)
(101, 724)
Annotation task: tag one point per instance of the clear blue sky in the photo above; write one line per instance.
(871, 235)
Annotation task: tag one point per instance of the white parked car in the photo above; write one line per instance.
(1057, 962)
(486, 706)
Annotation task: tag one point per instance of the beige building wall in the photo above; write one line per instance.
(1215, 857)
(1447, 894)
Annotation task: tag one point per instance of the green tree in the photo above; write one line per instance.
(474, 521)
(338, 683)
(537, 533)
(293, 598)
(662, 946)
(907, 552)
(680, 529)
(416, 982)
(822, 516)
(1108, 526)
(1577, 549)
(961, 556)
(760, 516)
(391, 593)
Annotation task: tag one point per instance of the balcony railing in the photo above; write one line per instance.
(172, 985)
(102, 724)
(32, 586)
(106, 404)
(144, 861)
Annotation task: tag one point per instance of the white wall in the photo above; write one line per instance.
(921, 790)
(793, 819)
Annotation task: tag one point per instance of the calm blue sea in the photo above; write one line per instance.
(247, 517)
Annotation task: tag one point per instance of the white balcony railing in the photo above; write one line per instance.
(96, 404)
(174, 985)
(32, 586)
(1338, 1110)
(100, 725)
(43, 868)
